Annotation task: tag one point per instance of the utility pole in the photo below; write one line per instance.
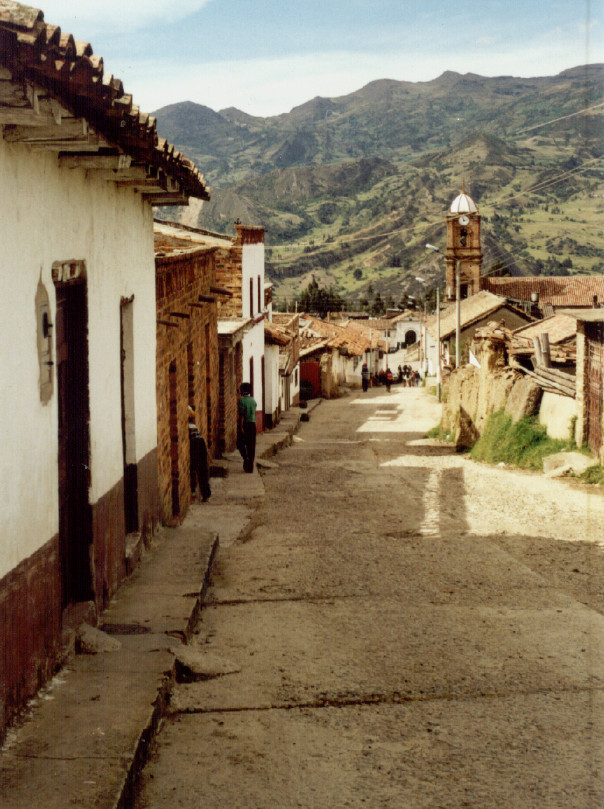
(457, 313)
(438, 371)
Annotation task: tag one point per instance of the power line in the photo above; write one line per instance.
(561, 118)
(528, 192)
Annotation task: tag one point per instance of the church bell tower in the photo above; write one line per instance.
(463, 246)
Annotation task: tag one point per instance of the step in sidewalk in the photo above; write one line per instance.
(86, 735)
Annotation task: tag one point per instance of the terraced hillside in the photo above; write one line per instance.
(350, 189)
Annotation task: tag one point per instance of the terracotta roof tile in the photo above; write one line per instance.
(559, 327)
(349, 339)
(471, 309)
(42, 54)
(559, 291)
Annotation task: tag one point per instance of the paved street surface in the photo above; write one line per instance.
(399, 627)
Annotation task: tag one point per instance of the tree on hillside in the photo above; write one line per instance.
(378, 308)
(318, 300)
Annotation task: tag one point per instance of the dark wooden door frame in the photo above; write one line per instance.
(75, 514)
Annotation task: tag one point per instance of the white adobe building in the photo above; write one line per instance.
(80, 168)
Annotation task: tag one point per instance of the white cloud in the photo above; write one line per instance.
(84, 18)
(273, 86)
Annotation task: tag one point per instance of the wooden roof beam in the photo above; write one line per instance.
(166, 199)
(96, 162)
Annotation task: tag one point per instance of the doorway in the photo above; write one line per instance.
(127, 402)
(75, 514)
(175, 471)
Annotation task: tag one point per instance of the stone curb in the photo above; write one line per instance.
(87, 736)
(54, 759)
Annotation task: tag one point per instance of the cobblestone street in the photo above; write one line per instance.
(398, 627)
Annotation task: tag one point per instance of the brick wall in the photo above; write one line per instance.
(187, 370)
(228, 276)
(230, 380)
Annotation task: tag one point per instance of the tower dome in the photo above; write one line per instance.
(463, 204)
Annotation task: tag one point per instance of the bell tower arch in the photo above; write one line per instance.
(463, 246)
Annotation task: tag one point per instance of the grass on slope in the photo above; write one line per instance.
(522, 444)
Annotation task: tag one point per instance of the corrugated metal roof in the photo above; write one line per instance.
(41, 54)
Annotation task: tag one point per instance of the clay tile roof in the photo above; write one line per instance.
(559, 327)
(42, 54)
(471, 309)
(558, 291)
(346, 338)
(276, 334)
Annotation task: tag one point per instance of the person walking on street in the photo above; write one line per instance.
(247, 427)
(365, 377)
(198, 454)
(388, 379)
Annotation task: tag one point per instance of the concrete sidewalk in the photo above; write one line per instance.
(84, 739)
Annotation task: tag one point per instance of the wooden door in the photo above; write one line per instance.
(75, 520)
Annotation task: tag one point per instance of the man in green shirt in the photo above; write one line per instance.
(247, 427)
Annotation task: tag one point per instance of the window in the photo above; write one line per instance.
(260, 301)
(251, 297)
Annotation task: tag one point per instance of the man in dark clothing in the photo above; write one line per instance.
(365, 377)
(247, 427)
(198, 452)
(388, 379)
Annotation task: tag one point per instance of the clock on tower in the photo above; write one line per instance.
(463, 246)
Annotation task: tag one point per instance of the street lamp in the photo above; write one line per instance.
(457, 305)
(423, 361)
(438, 369)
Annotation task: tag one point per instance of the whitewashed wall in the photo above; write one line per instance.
(253, 346)
(294, 389)
(51, 214)
(273, 387)
(403, 326)
(252, 266)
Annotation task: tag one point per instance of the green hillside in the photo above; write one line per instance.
(351, 189)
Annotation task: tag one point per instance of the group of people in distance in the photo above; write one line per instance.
(406, 377)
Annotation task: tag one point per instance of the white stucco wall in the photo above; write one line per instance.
(51, 214)
(253, 346)
(252, 266)
(294, 389)
(557, 413)
(273, 388)
(403, 326)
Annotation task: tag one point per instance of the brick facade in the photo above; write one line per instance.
(187, 369)
(229, 277)
(231, 376)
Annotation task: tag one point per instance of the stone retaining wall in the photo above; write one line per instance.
(473, 394)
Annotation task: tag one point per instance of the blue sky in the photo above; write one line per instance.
(266, 56)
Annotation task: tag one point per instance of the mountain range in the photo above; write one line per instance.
(350, 189)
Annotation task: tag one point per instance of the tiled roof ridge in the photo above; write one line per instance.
(41, 53)
(553, 287)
